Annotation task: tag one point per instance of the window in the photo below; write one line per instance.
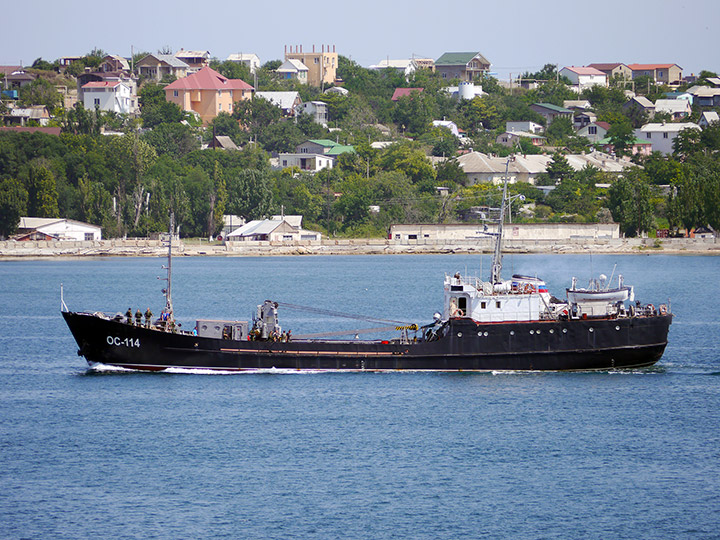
(483, 305)
(317, 60)
(175, 93)
(444, 75)
(592, 130)
(89, 236)
(497, 304)
(284, 162)
(412, 236)
(97, 101)
(665, 135)
(648, 135)
(219, 106)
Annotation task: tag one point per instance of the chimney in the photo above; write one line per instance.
(313, 47)
(333, 48)
(323, 48)
(301, 48)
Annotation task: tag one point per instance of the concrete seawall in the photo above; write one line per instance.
(364, 246)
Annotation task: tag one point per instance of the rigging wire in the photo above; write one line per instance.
(331, 313)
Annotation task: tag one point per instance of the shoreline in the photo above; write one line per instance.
(10, 250)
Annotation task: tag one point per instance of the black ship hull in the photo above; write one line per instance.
(558, 345)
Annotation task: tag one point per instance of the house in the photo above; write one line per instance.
(658, 73)
(707, 118)
(251, 60)
(116, 96)
(21, 116)
(306, 161)
(584, 77)
(404, 92)
(512, 138)
(466, 66)
(550, 112)
(577, 104)
(405, 67)
(640, 103)
(680, 95)
(594, 131)
(293, 69)
(32, 228)
(676, 108)
(323, 147)
(289, 102)
(157, 66)
(318, 110)
(662, 136)
(614, 69)
(483, 168)
(276, 229)
(337, 90)
(529, 127)
(641, 147)
(582, 119)
(322, 65)
(113, 63)
(196, 60)
(207, 93)
(465, 90)
(704, 96)
(424, 63)
(448, 124)
(222, 142)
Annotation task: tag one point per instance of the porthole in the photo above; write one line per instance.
(480, 334)
(459, 334)
(537, 331)
(486, 334)
(590, 330)
(564, 330)
(552, 331)
(512, 332)
(617, 328)
(532, 332)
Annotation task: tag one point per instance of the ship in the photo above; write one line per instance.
(485, 325)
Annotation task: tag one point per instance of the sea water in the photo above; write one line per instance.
(116, 454)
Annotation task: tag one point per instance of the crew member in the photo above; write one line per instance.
(138, 317)
(128, 316)
(148, 317)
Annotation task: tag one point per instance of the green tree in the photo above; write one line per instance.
(249, 193)
(224, 124)
(40, 92)
(622, 137)
(173, 139)
(13, 205)
(629, 202)
(560, 129)
(559, 168)
(42, 191)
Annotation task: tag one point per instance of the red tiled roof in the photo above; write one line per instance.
(48, 130)
(208, 79)
(402, 92)
(638, 67)
(603, 125)
(101, 84)
(605, 67)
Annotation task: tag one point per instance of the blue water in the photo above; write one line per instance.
(366, 455)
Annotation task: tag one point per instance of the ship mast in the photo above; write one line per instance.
(168, 288)
(496, 268)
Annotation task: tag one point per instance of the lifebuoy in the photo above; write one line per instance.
(651, 309)
(663, 309)
(458, 313)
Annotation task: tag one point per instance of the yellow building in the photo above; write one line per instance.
(207, 93)
(322, 65)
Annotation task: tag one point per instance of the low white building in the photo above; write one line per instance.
(447, 124)
(318, 110)
(662, 136)
(453, 232)
(676, 108)
(276, 229)
(466, 90)
(584, 77)
(306, 161)
(116, 96)
(289, 102)
(526, 126)
(405, 67)
(251, 60)
(32, 228)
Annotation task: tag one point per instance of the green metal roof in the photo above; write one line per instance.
(459, 58)
(323, 142)
(553, 107)
(606, 140)
(339, 149)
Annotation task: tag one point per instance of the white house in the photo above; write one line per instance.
(405, 67)
(306, 161)
(584, 77)
(116, 96)
(289, 102)
(676, 108)
(707, 118)
(512, 138)
(276, 229)
(318, 110)
(293, 69)
(447, 124)
(594, 131)
(662, 136)
(251, 60)
(527, 126)
(32, 228)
